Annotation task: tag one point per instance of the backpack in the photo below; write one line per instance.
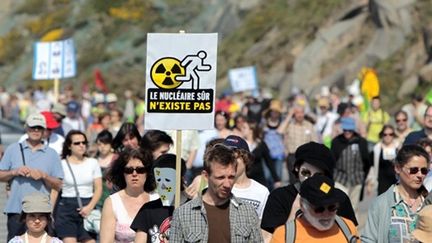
(290, 230)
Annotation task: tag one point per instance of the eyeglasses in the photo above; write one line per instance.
(388, 134)
(138, 170)
(80, 142)
(415, 170)
(331, 208)
(401, 120)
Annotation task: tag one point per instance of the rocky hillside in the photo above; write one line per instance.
(293, 43)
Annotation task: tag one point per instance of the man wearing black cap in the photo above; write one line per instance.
(319, 202)
(283, 203)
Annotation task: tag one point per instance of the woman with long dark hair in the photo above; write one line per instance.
(131, 174)
(82, 189)
(127, 137)
(382, 175)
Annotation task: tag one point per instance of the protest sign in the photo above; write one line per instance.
(243, 79)
(54, 60)
(180, 81)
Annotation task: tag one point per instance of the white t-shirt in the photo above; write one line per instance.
(256, 195)
(84, 173)
(73, 124)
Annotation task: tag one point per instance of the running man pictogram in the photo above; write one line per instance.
(192, 64)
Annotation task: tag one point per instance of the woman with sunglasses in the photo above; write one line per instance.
(382, 175)
(393, 215)
(82, 189)
(131, 173)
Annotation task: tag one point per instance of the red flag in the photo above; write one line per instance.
(99, 81)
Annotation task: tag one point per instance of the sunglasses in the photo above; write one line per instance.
(401, 120)
(307, 173)
(415, 170)
(331, 208)
(80, 142)
(36, 128)
(138, 170)
(388, 134)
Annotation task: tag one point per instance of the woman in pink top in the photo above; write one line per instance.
(131, 174)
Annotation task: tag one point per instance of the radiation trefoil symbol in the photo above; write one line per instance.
(164, 71)
(170, 73)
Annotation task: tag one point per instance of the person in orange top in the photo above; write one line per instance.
(316, 221)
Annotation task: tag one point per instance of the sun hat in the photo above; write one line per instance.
(317, 155)
(36, 120)
(36, 203)
(348, 124)
(423, 232)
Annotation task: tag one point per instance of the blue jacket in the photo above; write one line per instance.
(413, 137)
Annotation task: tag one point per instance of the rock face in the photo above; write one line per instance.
(393, 20)
(329, 42)
(329, 52)
(426, 73)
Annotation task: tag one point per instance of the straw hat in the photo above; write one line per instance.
(275, 105)
(423, 232)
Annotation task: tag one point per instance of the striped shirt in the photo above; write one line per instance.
(349, 167)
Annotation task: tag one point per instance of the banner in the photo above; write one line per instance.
(180, 81)
(54, 60)
(243, 79)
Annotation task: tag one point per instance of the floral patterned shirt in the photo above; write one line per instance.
(403, 220)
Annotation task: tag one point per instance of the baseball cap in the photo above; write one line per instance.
(72, 106)
(36, 203)
(317, 155)
(59, 108)
(236, 142)
(36, 120)
(319, 190)
(348, 123)
(51, 122)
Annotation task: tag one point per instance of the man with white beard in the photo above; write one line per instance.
(316, 221)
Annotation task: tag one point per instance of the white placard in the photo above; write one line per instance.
(180, 81)
(243, 79)
(54, 60)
